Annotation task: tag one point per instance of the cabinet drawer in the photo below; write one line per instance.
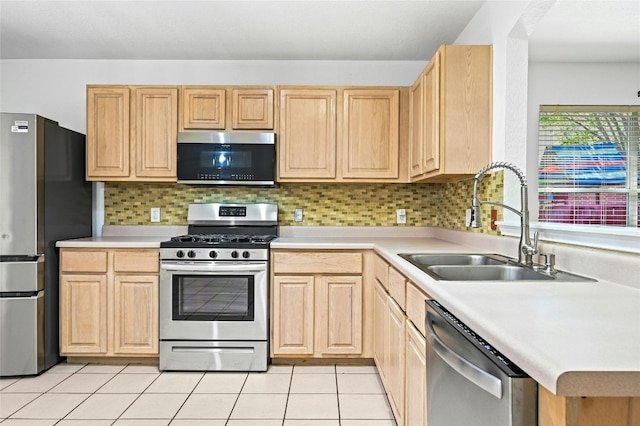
(136, 261)
(381, 271)
(292, 262)
(397, 287)
(415, 306)
(83, 261)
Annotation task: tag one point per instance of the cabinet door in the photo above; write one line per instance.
(380, 331)
(466, 116)
(431, 116)
(370, 133)
(252, 109)
(156, 132)
(108, 146)
(135, 315)
(293, 315)
(307, 143)
(416, 126)
(395, 377)
(416, 378)
(339, 315)
(202, 108)
(83, 314)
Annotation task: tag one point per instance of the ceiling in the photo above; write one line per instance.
(391, 30)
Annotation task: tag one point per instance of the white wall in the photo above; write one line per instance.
(507, 25)
(56, 88)
(574, 84)
(492, 25)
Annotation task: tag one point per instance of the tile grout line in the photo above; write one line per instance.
(286, 403)
(338, 396)
(185, 400)
(237, 398)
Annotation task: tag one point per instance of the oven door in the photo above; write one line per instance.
(213, 301)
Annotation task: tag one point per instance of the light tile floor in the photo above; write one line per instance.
(92, 395)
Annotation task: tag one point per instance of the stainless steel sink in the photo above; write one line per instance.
(487, 273)
(424, 260)
(483, 267)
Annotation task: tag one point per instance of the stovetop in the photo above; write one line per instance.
(224, 232)
(218, 241)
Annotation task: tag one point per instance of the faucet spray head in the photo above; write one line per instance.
(474, 220)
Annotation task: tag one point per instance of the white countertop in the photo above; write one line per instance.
(575, 339)
(113, 242)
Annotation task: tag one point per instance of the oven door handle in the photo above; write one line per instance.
(470, 371)
(213, 267)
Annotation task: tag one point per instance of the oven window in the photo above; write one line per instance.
(213, 298)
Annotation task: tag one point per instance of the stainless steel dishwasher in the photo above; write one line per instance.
(469, 383)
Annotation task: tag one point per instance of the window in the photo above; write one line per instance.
(588, 165)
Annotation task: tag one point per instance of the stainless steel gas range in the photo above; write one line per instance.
(214, 289)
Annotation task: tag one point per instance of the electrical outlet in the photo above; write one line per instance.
(297, 215)
(494, 217)
(155, 214)
(401, 216)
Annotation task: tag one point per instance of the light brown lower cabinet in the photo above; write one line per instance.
(109, 302)
(317, 316)
(399, 347)
(389, 348)
(292, 318)
(317, 304)
(396, 368)
(415, 409)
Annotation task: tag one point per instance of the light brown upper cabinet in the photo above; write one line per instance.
(307, 139)
(131, 133)
(370, 133)
(202, 108)
(252, 108)
(450, 115)
(220, 108)
(342, 134)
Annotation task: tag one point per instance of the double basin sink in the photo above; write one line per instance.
(483, 267)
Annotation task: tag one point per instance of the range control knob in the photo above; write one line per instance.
(180, 253)
(246, 254)
(191, 253)
(213, 254)
(234, 254)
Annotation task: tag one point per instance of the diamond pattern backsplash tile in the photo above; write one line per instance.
(324, 204)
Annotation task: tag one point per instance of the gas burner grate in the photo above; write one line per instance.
(222, 238)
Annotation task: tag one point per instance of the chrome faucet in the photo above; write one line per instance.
(526, 249)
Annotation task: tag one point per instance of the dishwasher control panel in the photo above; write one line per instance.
(484, 346)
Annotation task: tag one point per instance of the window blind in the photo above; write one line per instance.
(588, 165)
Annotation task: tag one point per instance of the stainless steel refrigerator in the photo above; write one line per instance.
(44, 197)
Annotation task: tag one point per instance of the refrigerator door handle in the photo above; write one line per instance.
(22, 258)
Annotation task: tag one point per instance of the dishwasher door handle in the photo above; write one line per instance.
(470, 371)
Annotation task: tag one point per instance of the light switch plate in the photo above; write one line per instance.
(155, 214)
(297, 215)
(401, 216)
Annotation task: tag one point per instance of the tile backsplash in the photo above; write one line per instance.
(324, 204)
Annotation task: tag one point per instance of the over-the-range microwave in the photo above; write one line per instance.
(227, 158)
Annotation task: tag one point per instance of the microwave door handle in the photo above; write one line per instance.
(213, 267)
(470, 371)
